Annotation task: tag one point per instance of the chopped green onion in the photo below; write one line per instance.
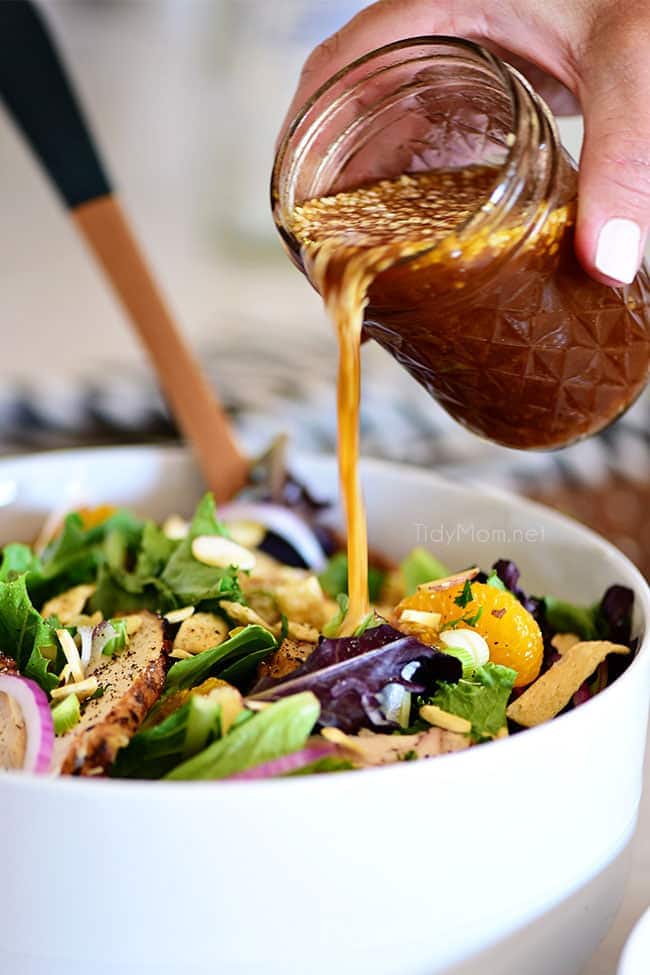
(466, 595)
(202, 720)
(115, 644)
(66, 714)
(367, 623)
(333, 626)
(466, 659)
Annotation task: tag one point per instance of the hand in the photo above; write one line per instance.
(593, 54)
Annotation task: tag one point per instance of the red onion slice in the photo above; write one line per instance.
(37, 716)
(286, 763)
(282, 522)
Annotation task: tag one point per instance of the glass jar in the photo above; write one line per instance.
(498, 321)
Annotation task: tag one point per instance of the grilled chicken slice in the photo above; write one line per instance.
(133, 681)
(13, 734)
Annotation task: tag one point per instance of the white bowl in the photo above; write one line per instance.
(502, 859)
(635, 959)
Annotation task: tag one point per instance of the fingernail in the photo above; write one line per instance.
(617, 253)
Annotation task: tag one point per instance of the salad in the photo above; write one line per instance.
(211, 649)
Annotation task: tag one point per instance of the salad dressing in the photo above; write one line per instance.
(495, 318)
(347, 242)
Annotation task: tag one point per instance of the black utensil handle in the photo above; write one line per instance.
(40, 98)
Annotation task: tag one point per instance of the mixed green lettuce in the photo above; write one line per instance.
(481, 700)
(334, 578)
(25, 635)
(153, 752)
(234, 660)
(279, 730)
(135, 567)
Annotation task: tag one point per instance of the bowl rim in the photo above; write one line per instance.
(202, 790)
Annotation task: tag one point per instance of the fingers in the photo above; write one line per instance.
(537, 38)
(614, 200)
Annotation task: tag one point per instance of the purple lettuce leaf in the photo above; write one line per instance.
(347, 675)
(508, 573)
(593, 685)
(615, 613)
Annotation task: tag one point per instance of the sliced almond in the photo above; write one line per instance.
(421, 617)
(175, 528)
(437, 585)
(222, 552)
(249, 534)
(443, 719)
(71, 652)
(179, 654)
(179, 615)
(83, 689)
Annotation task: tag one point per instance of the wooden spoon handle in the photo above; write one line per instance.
(38, 94)
(105, 229)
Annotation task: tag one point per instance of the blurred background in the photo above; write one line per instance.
(185, 98)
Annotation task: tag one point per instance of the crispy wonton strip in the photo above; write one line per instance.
(564, 641)
(553, 690)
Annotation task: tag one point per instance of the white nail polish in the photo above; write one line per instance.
(617, 253)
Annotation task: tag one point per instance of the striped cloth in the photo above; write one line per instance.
(271, 387)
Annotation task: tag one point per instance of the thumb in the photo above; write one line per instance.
(614, 199)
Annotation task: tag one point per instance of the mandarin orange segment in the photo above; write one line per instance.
(513, 636)
(91, 517)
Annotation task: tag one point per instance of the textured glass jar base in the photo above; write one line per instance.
(537, 361)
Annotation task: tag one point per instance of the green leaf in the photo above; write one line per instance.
(419, 567)
(569, 618)
(279, 730)
(190, 580)
(205, 521)
(187, 730)
(119, 591)
(334, 578)
(242, 671)
(75, 556)
(218, 660)
(483, 700)
(16, 560)
(155, 551)
(24, 634)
